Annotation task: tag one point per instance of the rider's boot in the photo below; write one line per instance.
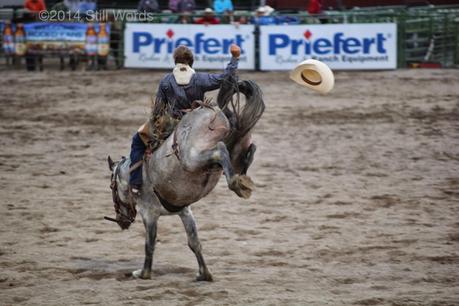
(135, 176)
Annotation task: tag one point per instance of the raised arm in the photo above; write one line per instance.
(212, 81)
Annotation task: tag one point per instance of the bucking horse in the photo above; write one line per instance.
(208, 141)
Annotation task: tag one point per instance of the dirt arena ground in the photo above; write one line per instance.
(356, 200)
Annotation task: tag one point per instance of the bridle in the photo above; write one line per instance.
(124, 220)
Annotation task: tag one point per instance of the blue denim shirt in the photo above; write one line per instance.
(181, 96)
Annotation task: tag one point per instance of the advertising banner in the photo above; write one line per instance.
(49, 37)
(340, 46)
(152, 45)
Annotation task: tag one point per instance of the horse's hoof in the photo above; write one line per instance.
(141, 274)
(206, 277)
(242, 185)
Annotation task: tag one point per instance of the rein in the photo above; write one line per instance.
(175, 147)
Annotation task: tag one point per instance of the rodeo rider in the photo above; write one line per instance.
(176, 92)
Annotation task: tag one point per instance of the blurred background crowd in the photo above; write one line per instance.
(205, 11)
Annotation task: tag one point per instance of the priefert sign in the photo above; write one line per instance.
(340, 46)
(152, 45)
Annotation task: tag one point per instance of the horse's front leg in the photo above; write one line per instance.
(242, 185)
(193, 242)
(150, 220)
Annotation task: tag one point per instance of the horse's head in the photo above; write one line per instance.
(125, 210)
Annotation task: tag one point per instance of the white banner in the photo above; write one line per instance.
(152, 45)
(340, 46)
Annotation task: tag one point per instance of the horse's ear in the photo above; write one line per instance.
(110, 163)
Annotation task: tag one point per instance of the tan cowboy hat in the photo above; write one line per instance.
(314, 74)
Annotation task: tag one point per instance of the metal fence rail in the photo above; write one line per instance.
(429, 36)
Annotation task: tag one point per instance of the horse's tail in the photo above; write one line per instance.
(242, 118)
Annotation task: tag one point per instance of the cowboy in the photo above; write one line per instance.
(176, 92)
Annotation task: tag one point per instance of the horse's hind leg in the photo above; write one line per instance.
(248, 158)
(150, 220)
(193, 242)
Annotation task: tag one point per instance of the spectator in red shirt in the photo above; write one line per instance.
(208, 18)
(35, 6)
(314, 7)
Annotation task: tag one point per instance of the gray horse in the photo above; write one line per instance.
(207, 141)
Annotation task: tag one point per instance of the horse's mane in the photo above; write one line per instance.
(162, 122)
(242, 117)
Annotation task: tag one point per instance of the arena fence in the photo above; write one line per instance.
(426, 35)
